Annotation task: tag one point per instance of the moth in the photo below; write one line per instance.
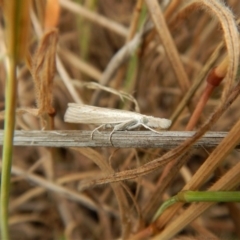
(119, 120)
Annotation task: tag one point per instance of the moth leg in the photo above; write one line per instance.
(150, 128)
(96, 130)
(136, 125)
(122, 126)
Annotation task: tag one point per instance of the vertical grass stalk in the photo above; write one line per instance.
(8, 144)
(16, 13)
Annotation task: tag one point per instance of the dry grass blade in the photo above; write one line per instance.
(35, 192)
(167, 41)
(32, 111)
(67, 81)
(117, 188)
(216, 157)
(43, 71)
(38, 191)
(84, 12)
(119, 58)
(85, 68)
(121, 94)
(135, 19)
(83, 199)
(60, 67)
(172, 7)
(197, 82)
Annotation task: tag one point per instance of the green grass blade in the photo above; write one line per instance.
(197, 196)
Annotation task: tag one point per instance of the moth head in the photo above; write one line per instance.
(158, 122)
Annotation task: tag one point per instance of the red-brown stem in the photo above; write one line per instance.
(213, 80)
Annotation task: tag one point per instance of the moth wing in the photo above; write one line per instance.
(78, 113)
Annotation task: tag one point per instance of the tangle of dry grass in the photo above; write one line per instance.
(144, 55)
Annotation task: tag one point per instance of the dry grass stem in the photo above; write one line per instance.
(121, 139)
(121, 94)
(54, 187)
(80, 65)
(135, 20)
(168, 43)
(119, 58)
(197, 82)
(117, 188)
(67, 81)
(95, 18)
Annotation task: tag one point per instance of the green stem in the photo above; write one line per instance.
(84, 28)
(208, 196)
(17, 24)
(164, 206)
(8, 145)
(196, 196)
